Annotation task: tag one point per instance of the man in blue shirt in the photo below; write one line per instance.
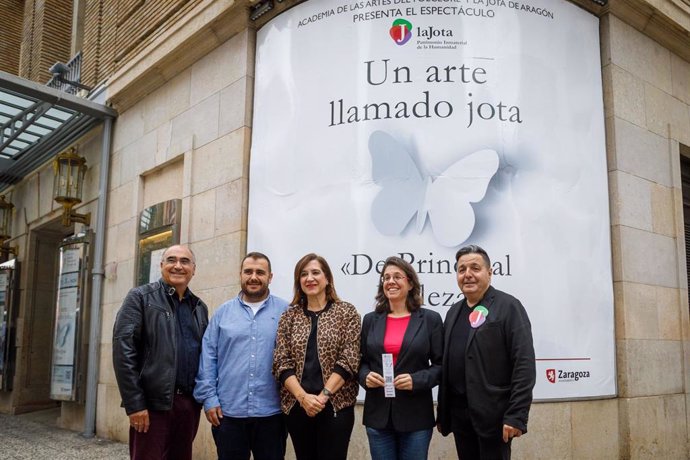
(240, 396)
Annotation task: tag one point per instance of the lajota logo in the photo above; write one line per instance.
(401, 31)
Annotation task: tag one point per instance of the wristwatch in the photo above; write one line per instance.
(327, 392)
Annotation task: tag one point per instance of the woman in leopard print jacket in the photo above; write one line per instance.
(316, 360)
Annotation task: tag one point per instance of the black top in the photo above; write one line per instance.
(456, 350)
(188, 345)
(312, 375)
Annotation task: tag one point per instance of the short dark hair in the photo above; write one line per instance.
(414, 297)
(299, 298)
(257, 255)
(473, 249)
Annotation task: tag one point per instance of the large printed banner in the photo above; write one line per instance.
(412, 128)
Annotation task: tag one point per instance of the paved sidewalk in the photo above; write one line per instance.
(23, 438)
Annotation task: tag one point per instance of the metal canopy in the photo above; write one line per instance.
(37, 122)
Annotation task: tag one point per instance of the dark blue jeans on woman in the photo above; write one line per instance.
(389, 444)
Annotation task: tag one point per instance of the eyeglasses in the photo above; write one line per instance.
(184, 261)
(397, 277)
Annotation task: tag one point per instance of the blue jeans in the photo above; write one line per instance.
(388, 444)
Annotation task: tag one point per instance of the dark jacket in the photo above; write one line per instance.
(499, 367)
(144, 346)
(420, 356)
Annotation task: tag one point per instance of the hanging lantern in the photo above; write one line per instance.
(68, 183)
(5, 219)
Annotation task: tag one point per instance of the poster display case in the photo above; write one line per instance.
(9, 290)
(70, 335)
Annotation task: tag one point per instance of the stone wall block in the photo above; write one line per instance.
(647, 258)
(106, 372)
(640, 55)
(163, 184)
(90, 192)
(668, 306)
(684, 313)
(202, 222)
(114, 291)
(112, 421)
(166, 150)
(45, 191)
(662, 111)
(115, 169)
(167, 102)
(680, 76)
(108, 314)
(220, 161)
(231, 207)
(135, 154)
(595, 429)
(126, 237)
(631, 201)
(636, 311)
(218, 260)
(121, 205)
(611, 158)
(128, 127)
(196, 126)
(218, 69)
(628, 96)
(663, 210)
(641, 363)
(549, 433)
(656, 427)
(215, 297)
(686, 365)
(642, 153)
(236, 106)
(33, 198)
(616, 253)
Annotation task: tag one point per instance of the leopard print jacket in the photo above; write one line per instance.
(337, 338)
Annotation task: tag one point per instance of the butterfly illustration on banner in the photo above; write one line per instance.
(406, 191)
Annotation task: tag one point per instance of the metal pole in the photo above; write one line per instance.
(97, 275)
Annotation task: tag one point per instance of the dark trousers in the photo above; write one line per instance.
(264, 437)
(170, 434)
(468, 444)
(324, 437)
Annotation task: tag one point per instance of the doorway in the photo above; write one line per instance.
(38, 317)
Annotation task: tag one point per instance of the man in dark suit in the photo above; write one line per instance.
(488, 364)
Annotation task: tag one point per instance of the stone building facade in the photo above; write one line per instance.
(180, 74)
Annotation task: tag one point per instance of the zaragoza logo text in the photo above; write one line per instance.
(554, 375)
(401, 31)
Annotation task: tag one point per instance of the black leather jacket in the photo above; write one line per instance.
(144, 346)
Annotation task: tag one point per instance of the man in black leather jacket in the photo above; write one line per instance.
(156, 346)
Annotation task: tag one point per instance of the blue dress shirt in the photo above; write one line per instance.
(237, 357)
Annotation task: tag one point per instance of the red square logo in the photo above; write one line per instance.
(551, 375)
